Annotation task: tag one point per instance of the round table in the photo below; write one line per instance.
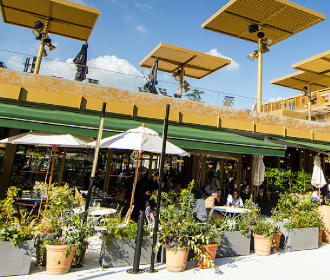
(96, 211)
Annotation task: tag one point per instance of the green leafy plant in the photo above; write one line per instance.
(296, 212)
(266, 228)
(12, 228)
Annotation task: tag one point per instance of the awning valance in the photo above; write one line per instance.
(86, 124)
(313, 146)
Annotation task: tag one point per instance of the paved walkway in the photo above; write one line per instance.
(308, 264)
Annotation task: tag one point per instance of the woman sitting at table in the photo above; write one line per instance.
(234, 200)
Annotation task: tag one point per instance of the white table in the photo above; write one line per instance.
(96, 211)
(229, 209)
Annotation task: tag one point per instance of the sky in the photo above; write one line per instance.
(127, 30)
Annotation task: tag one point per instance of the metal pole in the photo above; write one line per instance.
(259, 97)
(159, 195)
(96, 156)
(137, 253)
(41, 49)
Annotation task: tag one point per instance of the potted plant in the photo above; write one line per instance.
(180, 230)
(236, 231)
(70, 230)
(118, 245)
(205, 243)
(299, 222)
(263, 234)
(16, 238)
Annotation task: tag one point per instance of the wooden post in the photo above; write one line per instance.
(221, 173)
(60, 175)
(239, 173)
(150, 166)
(108, 171)
(7, 164)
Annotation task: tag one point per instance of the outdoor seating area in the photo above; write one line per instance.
(128, 173)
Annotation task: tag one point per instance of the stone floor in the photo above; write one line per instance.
(308, 264)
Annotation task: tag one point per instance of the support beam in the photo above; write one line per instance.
(108, 171)
(7, 164)
(60, 175)
(150, 166)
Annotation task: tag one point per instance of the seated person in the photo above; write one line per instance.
(215, 199)
(200, 209)
(315, 197)
(234, 200)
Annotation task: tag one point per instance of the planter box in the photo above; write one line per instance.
(121, 252)
(300, 239)
(233, 244)
(15, 260)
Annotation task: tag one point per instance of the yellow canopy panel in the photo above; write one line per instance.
(319, 64)
(171, 58)
(301, 79)
(64, 18)
(280, 19)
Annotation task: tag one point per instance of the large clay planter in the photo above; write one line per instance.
(176, 261)
(261, 245)
(210, 252)
(324, 212)
(276, 241)
(320, 236)
(59, 258)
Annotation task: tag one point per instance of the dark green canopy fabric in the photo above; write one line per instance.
(86, 124)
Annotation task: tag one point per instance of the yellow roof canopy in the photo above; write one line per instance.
(280, 19)
(299, 80)
(172, 58)
(64, 18)
(319, 64)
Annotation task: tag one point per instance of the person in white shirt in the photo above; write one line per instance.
(234, 200)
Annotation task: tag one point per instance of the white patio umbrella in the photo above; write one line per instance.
(140, 139)
(39, 138)
(318, 180)
(258, 170)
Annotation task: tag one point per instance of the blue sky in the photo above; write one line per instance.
(127, 30)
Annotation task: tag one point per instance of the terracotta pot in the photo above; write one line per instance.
(261, 245)
(176, 261)
(276, 241)
(320, 236)
(76, 262)
(210, 252)
(59, 258)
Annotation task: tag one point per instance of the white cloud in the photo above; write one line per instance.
(143, 7)
(141, 29)
(233, 66)
(274, 99)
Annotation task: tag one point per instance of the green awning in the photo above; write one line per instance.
(86, 124)
(305, 144)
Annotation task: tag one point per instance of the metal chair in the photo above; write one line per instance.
(228, 101)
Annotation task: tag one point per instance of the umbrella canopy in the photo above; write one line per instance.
(258, 170)
(48, 139)
(318, 180)
(140, 139)
(81, 62)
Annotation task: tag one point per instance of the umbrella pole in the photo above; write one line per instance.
(96, 156)
(55, 148)
(159, 193)
(134, 186)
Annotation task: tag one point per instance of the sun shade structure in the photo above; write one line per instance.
(265, 22)
(172, 58)
(301, 79)
(64, 18)
(318, 64)
(48, 139)
(140, 139)
(280, 19)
